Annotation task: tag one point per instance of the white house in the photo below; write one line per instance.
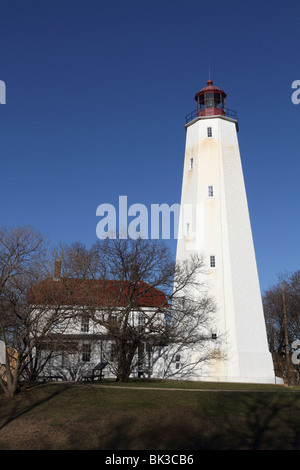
(80, 315)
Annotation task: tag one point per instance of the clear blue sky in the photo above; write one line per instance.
(97, 92)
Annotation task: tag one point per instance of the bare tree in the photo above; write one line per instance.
(282, 314)
(147, 301)
(132, 289)
(23, 327)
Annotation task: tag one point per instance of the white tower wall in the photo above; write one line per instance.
(218, 225)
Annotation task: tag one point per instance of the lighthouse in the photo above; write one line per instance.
(214, 222)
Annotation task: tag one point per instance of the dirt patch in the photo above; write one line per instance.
(28, 434)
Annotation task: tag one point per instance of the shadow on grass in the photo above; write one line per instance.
(99, 419)
(16, 408)
(238, 422)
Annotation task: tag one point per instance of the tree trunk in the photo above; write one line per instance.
(13, 381)
(125, 358)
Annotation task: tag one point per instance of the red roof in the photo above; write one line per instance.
(91, 292)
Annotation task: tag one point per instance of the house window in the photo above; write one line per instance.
(212, 261)
(210, 191)
(209, 132)
(85, 324)
(191, 163)
(142, 322)
(177, 361)
(86, 352)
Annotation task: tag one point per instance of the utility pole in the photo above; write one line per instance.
(287, 354)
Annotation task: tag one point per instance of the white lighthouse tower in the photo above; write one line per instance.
(215, 222)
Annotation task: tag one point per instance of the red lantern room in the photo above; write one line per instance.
(210, 100)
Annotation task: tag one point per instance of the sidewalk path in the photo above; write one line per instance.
(167, 389)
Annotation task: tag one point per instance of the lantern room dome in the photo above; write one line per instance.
(211, 102)
(210, 88)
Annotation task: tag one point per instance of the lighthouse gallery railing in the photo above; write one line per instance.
(200, 112)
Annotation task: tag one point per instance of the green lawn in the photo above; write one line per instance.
(196, 416)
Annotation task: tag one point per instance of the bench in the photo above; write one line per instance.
(95, 373)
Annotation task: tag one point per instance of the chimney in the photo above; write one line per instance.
(57, 270)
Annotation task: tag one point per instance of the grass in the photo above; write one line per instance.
(167, 416)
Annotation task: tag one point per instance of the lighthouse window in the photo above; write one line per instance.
(209, 132)
(209, 100)
(210, 191)
(212, 261)
(217, 99)
(191, 163)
